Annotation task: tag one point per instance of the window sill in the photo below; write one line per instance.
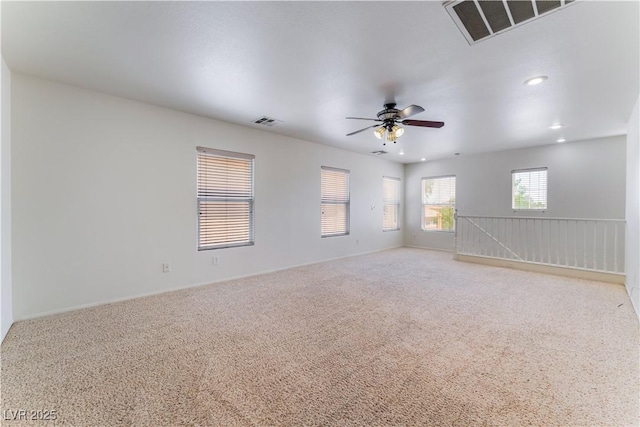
(334, 235)
(239, 245)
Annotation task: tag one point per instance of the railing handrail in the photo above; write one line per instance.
(537, 217)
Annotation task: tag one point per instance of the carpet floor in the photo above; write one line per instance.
(404, 337)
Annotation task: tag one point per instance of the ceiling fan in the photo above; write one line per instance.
(390, 119)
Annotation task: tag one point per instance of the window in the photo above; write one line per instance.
(225, 199)
(334, 202)
(438, 202)
(529, 189)
(391, 203)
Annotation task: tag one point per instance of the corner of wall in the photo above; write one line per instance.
(6, 297)
(632, 238)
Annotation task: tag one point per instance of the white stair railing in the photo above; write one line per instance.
(585, 244)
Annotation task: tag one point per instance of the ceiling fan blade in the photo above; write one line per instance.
(362, 130)
(362, 118)
(410, 111)
(423, 123)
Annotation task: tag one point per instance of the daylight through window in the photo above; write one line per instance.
(225, 199)
(438, 203)
(529, 189)
(334, 202)
(391, 203)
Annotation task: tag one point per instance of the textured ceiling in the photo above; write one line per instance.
(311, 64)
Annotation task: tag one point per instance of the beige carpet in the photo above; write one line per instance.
(401, 337)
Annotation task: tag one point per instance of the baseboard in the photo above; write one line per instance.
(5, 331)
(547, 269)
(632, 292)
(180, 288)
(429, 248)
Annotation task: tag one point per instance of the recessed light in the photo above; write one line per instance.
(561, 140)
(535, 80)
(423, 159)
(401, 153)
(556, 126)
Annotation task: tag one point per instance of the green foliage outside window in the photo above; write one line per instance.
(522, 198)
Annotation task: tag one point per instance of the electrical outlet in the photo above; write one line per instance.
(166, 267)
(216, 260)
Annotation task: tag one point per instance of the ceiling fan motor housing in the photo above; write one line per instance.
(390, 113)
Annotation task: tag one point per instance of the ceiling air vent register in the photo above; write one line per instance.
(480, 19)
(266, 121)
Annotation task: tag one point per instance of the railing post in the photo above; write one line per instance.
(557, 242)
(575, 244)
(493, 233)
(595, 245)
(549, 242)
(604, 246)
(566, 242)
(541, 241)
(584, 243)
(455, 234)
(615, 247)
(526, 242)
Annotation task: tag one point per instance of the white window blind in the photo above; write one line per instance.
(334, 202)
(438, 203)
(391, 203)
(529, 189)
(225, 199)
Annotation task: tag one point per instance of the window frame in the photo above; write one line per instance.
(396, 204)
(546, 190)
(423, 204)
(347, 204)
(204, 151)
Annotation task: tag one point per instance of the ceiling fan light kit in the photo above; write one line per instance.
(390, 120)
(391, 136)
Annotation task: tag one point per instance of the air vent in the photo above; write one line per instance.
(379, 152)
(481, 19)
(267, 121)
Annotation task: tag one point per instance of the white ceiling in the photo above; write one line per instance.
(311, 64)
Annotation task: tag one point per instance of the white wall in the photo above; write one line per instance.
(6, 311)
(632, 240)
(585, 180)
(104, 193)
